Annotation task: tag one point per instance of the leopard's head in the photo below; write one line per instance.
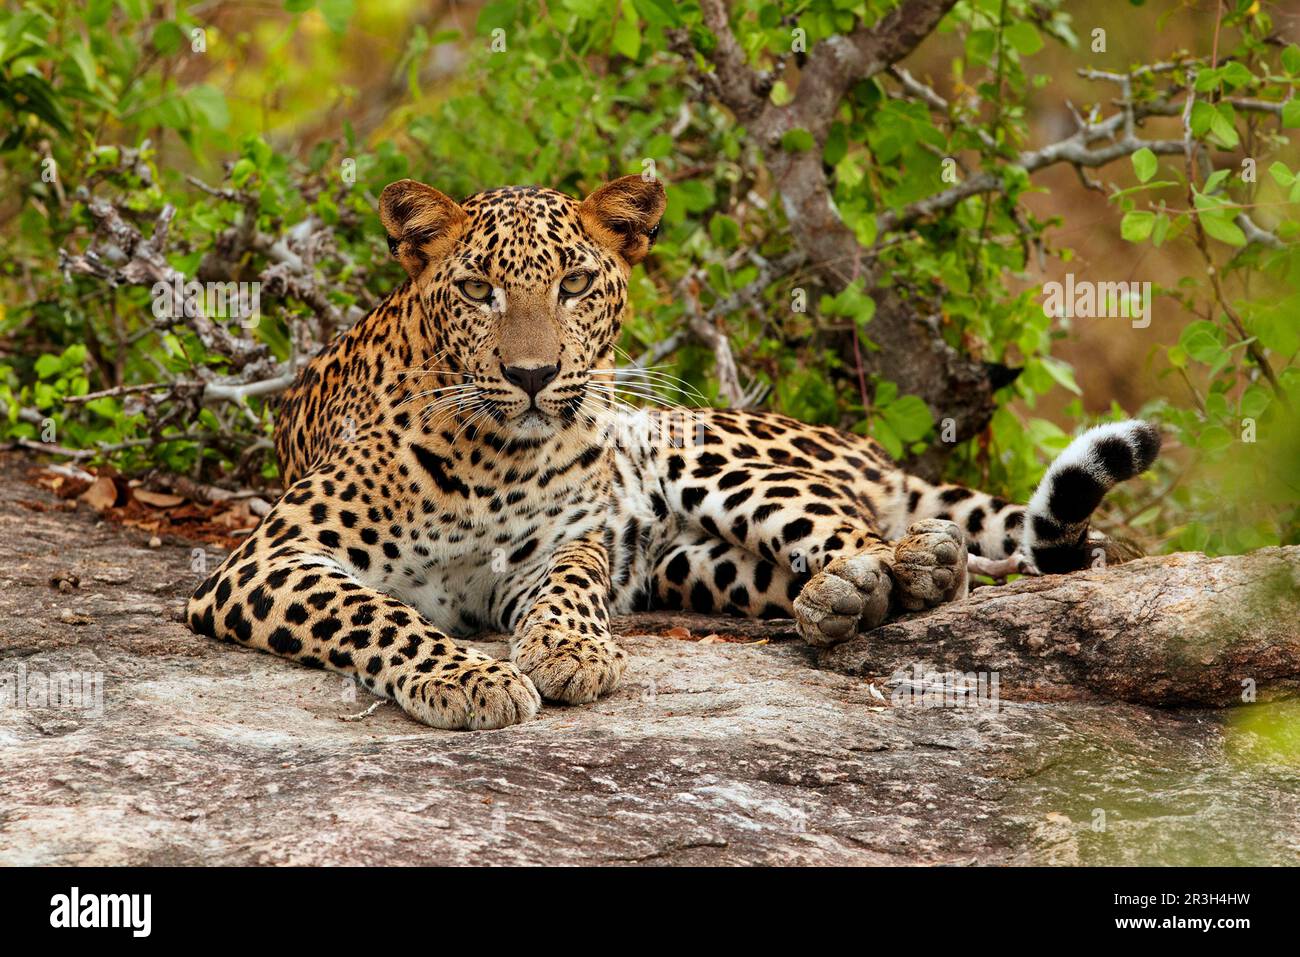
(522, 291)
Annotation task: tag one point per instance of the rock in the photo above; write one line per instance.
(1178, 629)
(730, 752)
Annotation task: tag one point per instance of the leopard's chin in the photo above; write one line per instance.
(534, 424)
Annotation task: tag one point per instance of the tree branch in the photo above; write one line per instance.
(736, 82)
(838, 62)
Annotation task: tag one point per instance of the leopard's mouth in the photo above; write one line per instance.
(533, 417)
(533, 423)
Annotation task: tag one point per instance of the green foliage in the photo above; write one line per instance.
(114, 97)
(1239, 488)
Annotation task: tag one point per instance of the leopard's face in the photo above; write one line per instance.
(523, 291)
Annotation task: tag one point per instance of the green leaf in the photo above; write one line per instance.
(797, 141)
(337, 13)
(1161, 231)
(1281, 175)
(909, 417)
(36, 97)
(1223, 124)
(1215, 180)
(660, 13)
(1023, 35)
(1214, 438)
(627, 32)
(1291, 112)
(1237, 74)
(48, 365)
(1208, 80)
(850, 301)
(1202, 113)
(85, 61)
(1220, 227)
(1062, 373)
(1291, 59)
(695, 195)
(1145, 164)
(1202, 341)
(886, 436)
(168, 38)
(1137, 224)
(837, 145)
(980, 45)
(1254, 401)
(724, 230)
(210, 104)
(241, 171)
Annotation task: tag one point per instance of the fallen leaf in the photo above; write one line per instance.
(101, 495)
(158, 499)
(237, 516)
(678, 632)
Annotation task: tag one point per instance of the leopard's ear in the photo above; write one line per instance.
(422, 223)
(624, 215)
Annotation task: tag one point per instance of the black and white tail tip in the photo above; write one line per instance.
(1056, 527)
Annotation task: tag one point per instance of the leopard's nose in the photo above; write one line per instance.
(532, 381)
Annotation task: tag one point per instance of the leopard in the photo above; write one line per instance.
(462, 460)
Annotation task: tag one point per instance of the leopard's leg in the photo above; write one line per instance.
(856, 592)
(282, 596)
(850, 594)
(563, 642)
(808, 523)
(700, 573)
(930, 565)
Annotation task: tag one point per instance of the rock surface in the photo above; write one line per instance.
(711, 752)
(1182, 629)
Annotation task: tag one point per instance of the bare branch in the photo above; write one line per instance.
(1074, 149)
(1255, 234)
(706, 325)
(143, 263)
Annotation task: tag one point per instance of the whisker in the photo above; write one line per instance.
(658, 378)
(632, 391)
(450, 392)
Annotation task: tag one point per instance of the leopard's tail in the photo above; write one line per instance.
(1055, 535)
(1050, 533)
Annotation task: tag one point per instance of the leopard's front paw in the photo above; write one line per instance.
(930, 564)
(477, 695)
(848, 596)
(568, 667)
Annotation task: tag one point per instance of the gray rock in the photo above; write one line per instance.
(710, 753)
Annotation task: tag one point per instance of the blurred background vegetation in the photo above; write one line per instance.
(270, 129)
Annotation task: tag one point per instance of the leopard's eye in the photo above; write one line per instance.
(475, 289)
(575, 283)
